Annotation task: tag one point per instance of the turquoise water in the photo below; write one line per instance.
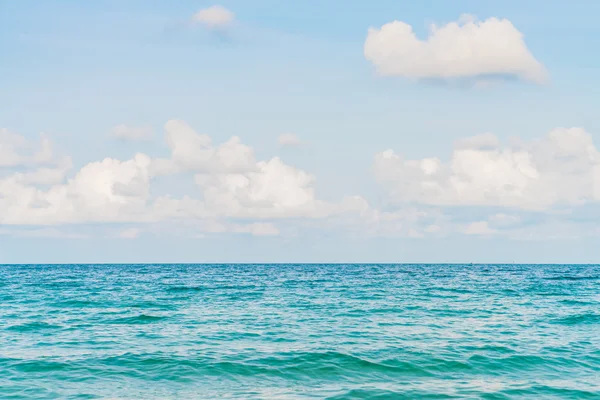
(300, 332)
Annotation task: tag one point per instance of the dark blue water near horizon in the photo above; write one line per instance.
(300, 331)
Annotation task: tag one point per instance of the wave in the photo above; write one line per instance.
(379, 394)
(33, 327)
(572, 278)
(352, 332)
(193, 288)
(138, 319)
(578, 319)
(296, 366)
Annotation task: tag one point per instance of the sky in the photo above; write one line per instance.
(286, 131)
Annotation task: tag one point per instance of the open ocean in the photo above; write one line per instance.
(299, 331)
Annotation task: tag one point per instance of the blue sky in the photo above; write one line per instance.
(74, 70)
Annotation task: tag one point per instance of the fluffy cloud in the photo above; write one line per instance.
(560, 169)
(463, 49)
(273, 189)
(231, 183)
(289, 140)
(223, 188)
(17, 151)
(215, 17)
(45, 175)
(195, 152)
(131, 133)
(105, 191)
(26, 162)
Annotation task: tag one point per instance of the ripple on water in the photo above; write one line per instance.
(33, 327)
(299, 331)
(577, 319)
(138, 319)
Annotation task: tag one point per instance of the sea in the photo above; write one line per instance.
(300, 331)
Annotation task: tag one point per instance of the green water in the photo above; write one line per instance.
(300, 332)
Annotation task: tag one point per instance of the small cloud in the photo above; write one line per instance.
(131, 233)
(484, 51)
(289, 140)
(131, 133)
(18, 151)
(215, 17)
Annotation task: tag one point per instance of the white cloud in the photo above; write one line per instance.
(195, 152)
(467, 48)
(230, 191)
(214, 17)
(45, 175)
(26, 162)
(105, 191)
(233, 183)
(230, 181)
(289, 140)
(562, 168)
(131, 133)
(17, 151)
(273, 189)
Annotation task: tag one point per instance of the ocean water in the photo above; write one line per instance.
(299, 332)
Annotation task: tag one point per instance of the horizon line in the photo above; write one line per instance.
(293, 263)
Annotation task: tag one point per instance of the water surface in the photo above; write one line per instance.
(299, 331)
